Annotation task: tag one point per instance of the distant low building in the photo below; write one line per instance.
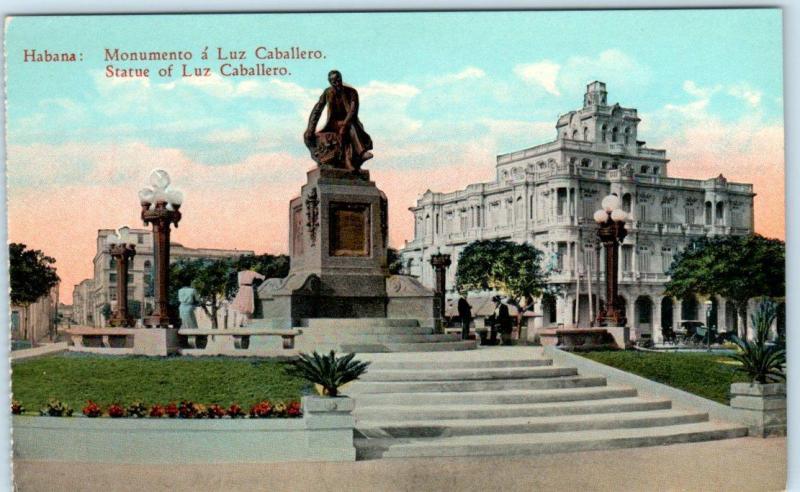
(91, 294)
(35, 323)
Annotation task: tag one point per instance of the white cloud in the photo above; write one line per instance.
(748, 94)
(466, 74)
(543, 73)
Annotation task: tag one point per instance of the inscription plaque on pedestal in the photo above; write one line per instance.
(350, 229)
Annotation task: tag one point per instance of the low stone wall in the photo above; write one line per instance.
(325, 433)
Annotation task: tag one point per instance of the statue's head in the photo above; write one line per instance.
(335, 79)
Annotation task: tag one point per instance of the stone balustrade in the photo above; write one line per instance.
(238, 341)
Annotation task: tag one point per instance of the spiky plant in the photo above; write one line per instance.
(328, 371)
(762, 362)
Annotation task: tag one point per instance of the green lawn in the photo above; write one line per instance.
(706, 375)
(75, 378)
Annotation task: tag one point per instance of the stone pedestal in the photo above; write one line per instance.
(332, 423)
(338, 247)
(155, 341)
(764, 406)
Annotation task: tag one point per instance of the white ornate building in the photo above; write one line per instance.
(546, 195)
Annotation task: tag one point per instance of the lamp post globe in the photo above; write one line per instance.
(160, 208)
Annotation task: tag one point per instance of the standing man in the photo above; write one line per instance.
(353, 144)
(502, 320)
(465, 314)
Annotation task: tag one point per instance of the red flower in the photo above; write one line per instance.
(187, 410)
(92, 409)
(157, 411)
(293, 409)
(261, 410)
(116, 411)
(171, 410)
(215, 411)
(235, 411)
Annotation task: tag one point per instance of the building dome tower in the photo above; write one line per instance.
(595, 94)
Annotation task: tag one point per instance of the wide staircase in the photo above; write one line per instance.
(504, 401)
(371, 335)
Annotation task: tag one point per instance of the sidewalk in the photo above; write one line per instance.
(45, 349)
(732, 465)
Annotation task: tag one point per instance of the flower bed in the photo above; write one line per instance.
(324, 433)
(184, 410)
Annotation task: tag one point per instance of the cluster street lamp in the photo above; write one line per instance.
(440, 262)
(160, 207)
(122, 249)
(611, 219)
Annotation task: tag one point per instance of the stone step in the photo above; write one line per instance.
(516, 425)
(467, 374)
(336, 323)
(457, 364)
(377, 347)
(358, 338)
(366, 330)
(425, 412)
(596, 390)
(567, 379)
(544, 443)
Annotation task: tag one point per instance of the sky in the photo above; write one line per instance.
(441, 95)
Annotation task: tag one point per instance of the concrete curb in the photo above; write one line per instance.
(51, 348)
(648, 388)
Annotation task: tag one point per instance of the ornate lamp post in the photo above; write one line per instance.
(440, 262)
(122, 249)
(611, 219)
(160, 207)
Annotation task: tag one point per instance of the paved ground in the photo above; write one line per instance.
(729, 465)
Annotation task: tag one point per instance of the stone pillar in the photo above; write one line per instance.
(722, 315)
(677, 313)
(561, 310)
(440, 262)
(655, 322)
(330, 423)
(122, 253)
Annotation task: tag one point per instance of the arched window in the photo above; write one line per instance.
(614, 134)
(604, 165)
(574, 134)
(586, 163)
(112, 264)
(644, 169)
(627, 135)
(655, 169)
(708, 213)
(585, 134)
(720, 211)
(603, 131)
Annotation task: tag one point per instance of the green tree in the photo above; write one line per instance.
(31, 273)
(738, 268)
(106, 311)
(511, 268)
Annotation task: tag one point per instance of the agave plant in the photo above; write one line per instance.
(328, 371)
(761, 361)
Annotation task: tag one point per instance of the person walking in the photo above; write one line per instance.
(464, 314)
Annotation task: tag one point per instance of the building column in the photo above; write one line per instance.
(722, 315)
(677, 313)
(561, 310)
(655, 321)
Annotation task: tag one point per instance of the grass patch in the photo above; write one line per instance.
(706, 375)
(75, 378)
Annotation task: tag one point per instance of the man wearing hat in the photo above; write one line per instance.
(502, 321)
